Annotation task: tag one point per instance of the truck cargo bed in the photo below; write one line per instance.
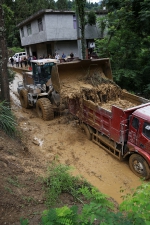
(112, 122)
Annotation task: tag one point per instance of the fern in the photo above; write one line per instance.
(7, 119)
(94, 195)
(58, 216)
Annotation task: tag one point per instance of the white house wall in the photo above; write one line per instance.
(36, 36)
(41, 50)
(60, 27)
(67, 47)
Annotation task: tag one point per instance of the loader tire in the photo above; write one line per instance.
(23, 96)
(86, 131)
(44, 109)
(139, 166)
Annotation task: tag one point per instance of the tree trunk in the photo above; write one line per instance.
(3, 60)
(81, 14)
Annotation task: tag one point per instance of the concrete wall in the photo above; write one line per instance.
(67, 47)
(36, 36)
(60, 27)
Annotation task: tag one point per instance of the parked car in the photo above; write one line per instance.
(22, 55)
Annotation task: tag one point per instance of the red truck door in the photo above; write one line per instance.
(133, 130)
(144, 137)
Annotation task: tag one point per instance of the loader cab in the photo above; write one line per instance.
(139, 129)
(41, 70)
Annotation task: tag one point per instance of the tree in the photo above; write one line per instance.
(127, 43)
(62, 5)
(51, 4)
(80, 5)
(92, 18)
(3, 60)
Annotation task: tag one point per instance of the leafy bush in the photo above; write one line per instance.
(59, 180)
(99, 209)
(7, 119)
(96, 208)
(137, 205)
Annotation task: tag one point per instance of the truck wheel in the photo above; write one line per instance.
(86, 131)
(44, 109)
(139, 166)
(23, 96)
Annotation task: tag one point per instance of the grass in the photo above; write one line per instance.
(14, 181)
(9, 190)
(29, 199)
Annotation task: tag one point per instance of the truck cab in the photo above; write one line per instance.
(139, 138)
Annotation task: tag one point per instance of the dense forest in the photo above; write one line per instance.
(127, 42)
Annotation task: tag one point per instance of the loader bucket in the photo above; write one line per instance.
(74, 71)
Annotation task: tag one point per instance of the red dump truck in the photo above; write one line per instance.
(122, 133)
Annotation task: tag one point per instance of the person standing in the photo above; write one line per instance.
(25, 61)
(12, 61)
(71, 55)
(21, 62)
(17, 62)
(57, 56)
(63, 56)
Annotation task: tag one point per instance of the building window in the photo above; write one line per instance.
(74, 22)
(29, 32)
(22, 32)
(40, 24)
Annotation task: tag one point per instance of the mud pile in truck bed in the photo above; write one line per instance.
(96, 87)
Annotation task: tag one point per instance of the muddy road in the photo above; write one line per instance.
(63, 140)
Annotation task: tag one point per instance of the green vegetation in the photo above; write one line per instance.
(58, 181)
(127, 43)
(24, 221)
(9, 190)
(137, 204)
(11, 75)
(13, 181)
(92, 207)
(7, 120)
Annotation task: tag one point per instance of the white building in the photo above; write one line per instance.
(49, 32)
